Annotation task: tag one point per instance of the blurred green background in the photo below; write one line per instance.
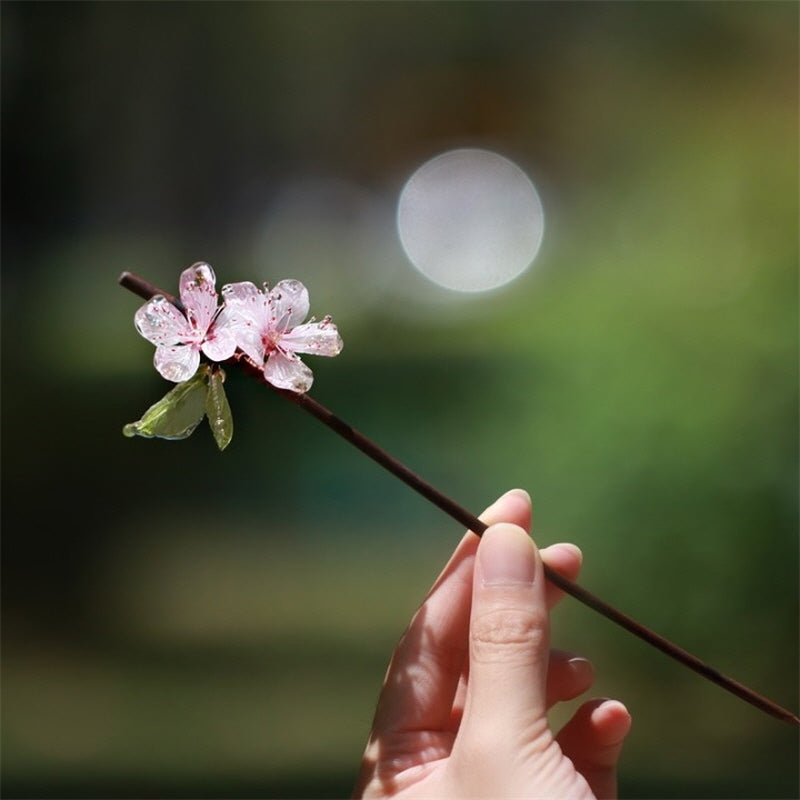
(183, 623)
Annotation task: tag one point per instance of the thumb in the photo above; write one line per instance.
(506, 700)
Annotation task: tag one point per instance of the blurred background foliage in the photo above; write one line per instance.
(180, 623)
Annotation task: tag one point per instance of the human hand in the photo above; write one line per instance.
(463, 709)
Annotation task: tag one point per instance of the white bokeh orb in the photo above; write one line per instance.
(470, 220)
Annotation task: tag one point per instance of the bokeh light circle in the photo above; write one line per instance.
(470, 220)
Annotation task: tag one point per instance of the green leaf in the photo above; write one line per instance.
(177, 413)
(218, 411)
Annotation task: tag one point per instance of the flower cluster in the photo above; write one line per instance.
(267, 325)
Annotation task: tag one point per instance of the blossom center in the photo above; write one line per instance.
(271, 338)
(271, 341)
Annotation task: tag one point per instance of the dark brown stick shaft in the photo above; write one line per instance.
(472, 523)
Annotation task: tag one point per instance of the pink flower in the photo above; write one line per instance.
(266, 326)
(180, 337)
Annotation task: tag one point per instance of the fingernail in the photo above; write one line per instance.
(506, 556)
(521, 493)
(581, 668)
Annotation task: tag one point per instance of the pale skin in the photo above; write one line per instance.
(463, 709)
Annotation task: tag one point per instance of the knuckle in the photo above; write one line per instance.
(508, 634)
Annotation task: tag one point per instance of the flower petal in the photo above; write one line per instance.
(289, 301)
(246, 315)
(234, 293)
(199, 295)
(288, 372)
(177, 363)
(318, 338)
(161, 323)
(220, 343)
(240, 322)
(249, 341)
